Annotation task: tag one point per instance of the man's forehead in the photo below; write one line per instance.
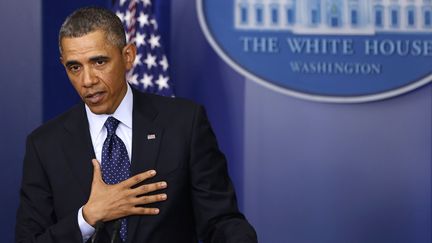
(92, 44)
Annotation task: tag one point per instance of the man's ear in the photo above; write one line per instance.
(61, 60)
(129, 55)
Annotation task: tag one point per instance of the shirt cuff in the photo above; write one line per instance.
(86, 230)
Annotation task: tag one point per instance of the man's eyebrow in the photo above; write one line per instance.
(99, 58)
(70, 63)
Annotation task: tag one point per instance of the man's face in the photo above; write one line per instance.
(97, 70)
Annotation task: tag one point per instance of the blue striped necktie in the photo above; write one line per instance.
(115, 162)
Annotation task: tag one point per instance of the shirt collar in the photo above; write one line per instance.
(123, 113)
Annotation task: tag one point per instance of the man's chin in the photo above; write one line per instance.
(98, 109)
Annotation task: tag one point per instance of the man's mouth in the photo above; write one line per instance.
(94, 98)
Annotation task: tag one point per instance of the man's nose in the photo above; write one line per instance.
(89, 78)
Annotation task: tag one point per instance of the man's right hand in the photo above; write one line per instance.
(109, 202)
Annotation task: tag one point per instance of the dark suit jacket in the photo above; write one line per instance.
(201, 203)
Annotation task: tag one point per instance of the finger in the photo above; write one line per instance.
(144, 211)
(149, 199)
(97, 175)
(144, 189)
(138, 178)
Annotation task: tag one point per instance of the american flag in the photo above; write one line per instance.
(150, 72)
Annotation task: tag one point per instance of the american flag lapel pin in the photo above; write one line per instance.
(151, 136)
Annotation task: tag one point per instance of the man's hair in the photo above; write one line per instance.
(89, 19)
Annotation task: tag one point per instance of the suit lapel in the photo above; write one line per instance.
(78, 149)
(146, 137)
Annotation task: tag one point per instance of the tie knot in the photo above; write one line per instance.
(111, 125)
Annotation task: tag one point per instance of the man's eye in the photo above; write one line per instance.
(74, 68)
(100, 62)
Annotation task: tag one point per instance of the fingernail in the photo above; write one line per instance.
(163, 184)
(163, 196)
(152, 172)
(156, 211)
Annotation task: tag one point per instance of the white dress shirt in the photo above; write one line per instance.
(98, 133)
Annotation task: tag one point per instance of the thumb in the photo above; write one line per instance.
(97, 177)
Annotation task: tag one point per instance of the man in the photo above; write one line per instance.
(123, 165)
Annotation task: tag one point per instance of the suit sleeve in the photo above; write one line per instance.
(215, 206)
(36, 219)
